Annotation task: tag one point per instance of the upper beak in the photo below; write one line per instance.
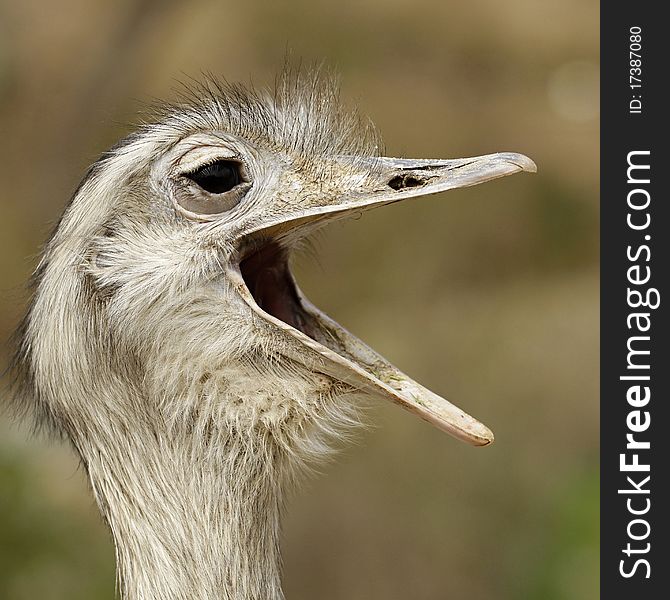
(337, 352)
(386, 180)
(409, 177)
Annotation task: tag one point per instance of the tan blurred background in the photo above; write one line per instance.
(487, 295)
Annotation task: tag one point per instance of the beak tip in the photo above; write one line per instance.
(485, 437)
(488, 441)
(522, 161)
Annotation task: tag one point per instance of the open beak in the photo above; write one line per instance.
(267, 286)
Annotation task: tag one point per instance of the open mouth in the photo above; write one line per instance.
(269, 289)
(273, 294)
(267, 277)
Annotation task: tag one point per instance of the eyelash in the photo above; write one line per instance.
(217, 177)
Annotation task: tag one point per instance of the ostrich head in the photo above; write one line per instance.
(169, 342)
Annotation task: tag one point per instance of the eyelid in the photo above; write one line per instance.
(199, 156)
(242, 171)
(195, 207)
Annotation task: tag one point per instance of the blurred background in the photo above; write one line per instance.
(487, 295)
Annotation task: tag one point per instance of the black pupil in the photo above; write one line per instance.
(217, 178)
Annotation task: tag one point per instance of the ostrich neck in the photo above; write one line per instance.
(192, 519)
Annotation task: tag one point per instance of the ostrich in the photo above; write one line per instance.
(167, 340)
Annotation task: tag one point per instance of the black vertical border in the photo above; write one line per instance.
(621, 133)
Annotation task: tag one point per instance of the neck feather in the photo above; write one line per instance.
(189, 528)
(194, 498)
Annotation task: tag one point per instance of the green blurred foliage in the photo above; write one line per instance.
(44, 544)
(488, 295)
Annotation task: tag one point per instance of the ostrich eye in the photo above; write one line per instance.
(217, 178)
(225, 184)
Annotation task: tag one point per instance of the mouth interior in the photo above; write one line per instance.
(266, 274)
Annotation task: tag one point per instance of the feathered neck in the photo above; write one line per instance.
(189, 527)
(194, 498)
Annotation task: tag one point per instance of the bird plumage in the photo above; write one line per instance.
(173, 349)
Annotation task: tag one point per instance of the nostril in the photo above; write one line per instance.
(400, 182)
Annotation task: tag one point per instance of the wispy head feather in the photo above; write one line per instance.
(301, 113)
